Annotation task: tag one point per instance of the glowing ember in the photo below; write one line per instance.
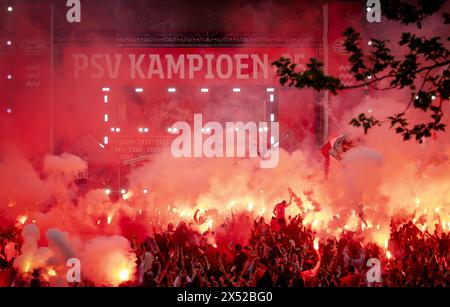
(417, 200)
(316, 244)
(22, 219)
(51, 272)
(388, 255)
(27, 267)
(250, 206)
(262, 211)
(124, 275)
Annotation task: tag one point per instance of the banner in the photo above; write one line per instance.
(178, 66)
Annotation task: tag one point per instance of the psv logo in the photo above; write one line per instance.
(74, 13)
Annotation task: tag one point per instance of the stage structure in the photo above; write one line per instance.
(110, 96)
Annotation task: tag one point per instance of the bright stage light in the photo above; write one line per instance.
(270, 89)
(272, 98)
(145, 191)
(10, 9)
(169, 130)
(369, 9)
(113, 129)
(272, 117)
(106, 117)
(105, 98)
(108, 191)
(9, 77)
(141, 130)
(236, 90)
(117, 129)
(174, 130)
(369, 43)
(105, 89)
(171, 90)
(433, 97)
(8, 110)
(139, 90)
(105, 140)
(123, 191)
(204, 90)
(145, 130)
(9, 43)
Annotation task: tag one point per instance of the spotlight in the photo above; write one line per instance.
(145, 191)
(369, 9)
(117, 129)
(270, 89)
(105, 140)
(236, 90)
(105, 89)
(8, 110)
(171, 90)
(272, 98)
(9, 43)
(113, 129)
(169, 130)
(145, 130)
(204, 90)
(175, 130)
(139, 90)
(10, 9)
(108, 191)
(433, 97)
(140, 130)
(9, 77)
(123, 191)
(369, 43)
